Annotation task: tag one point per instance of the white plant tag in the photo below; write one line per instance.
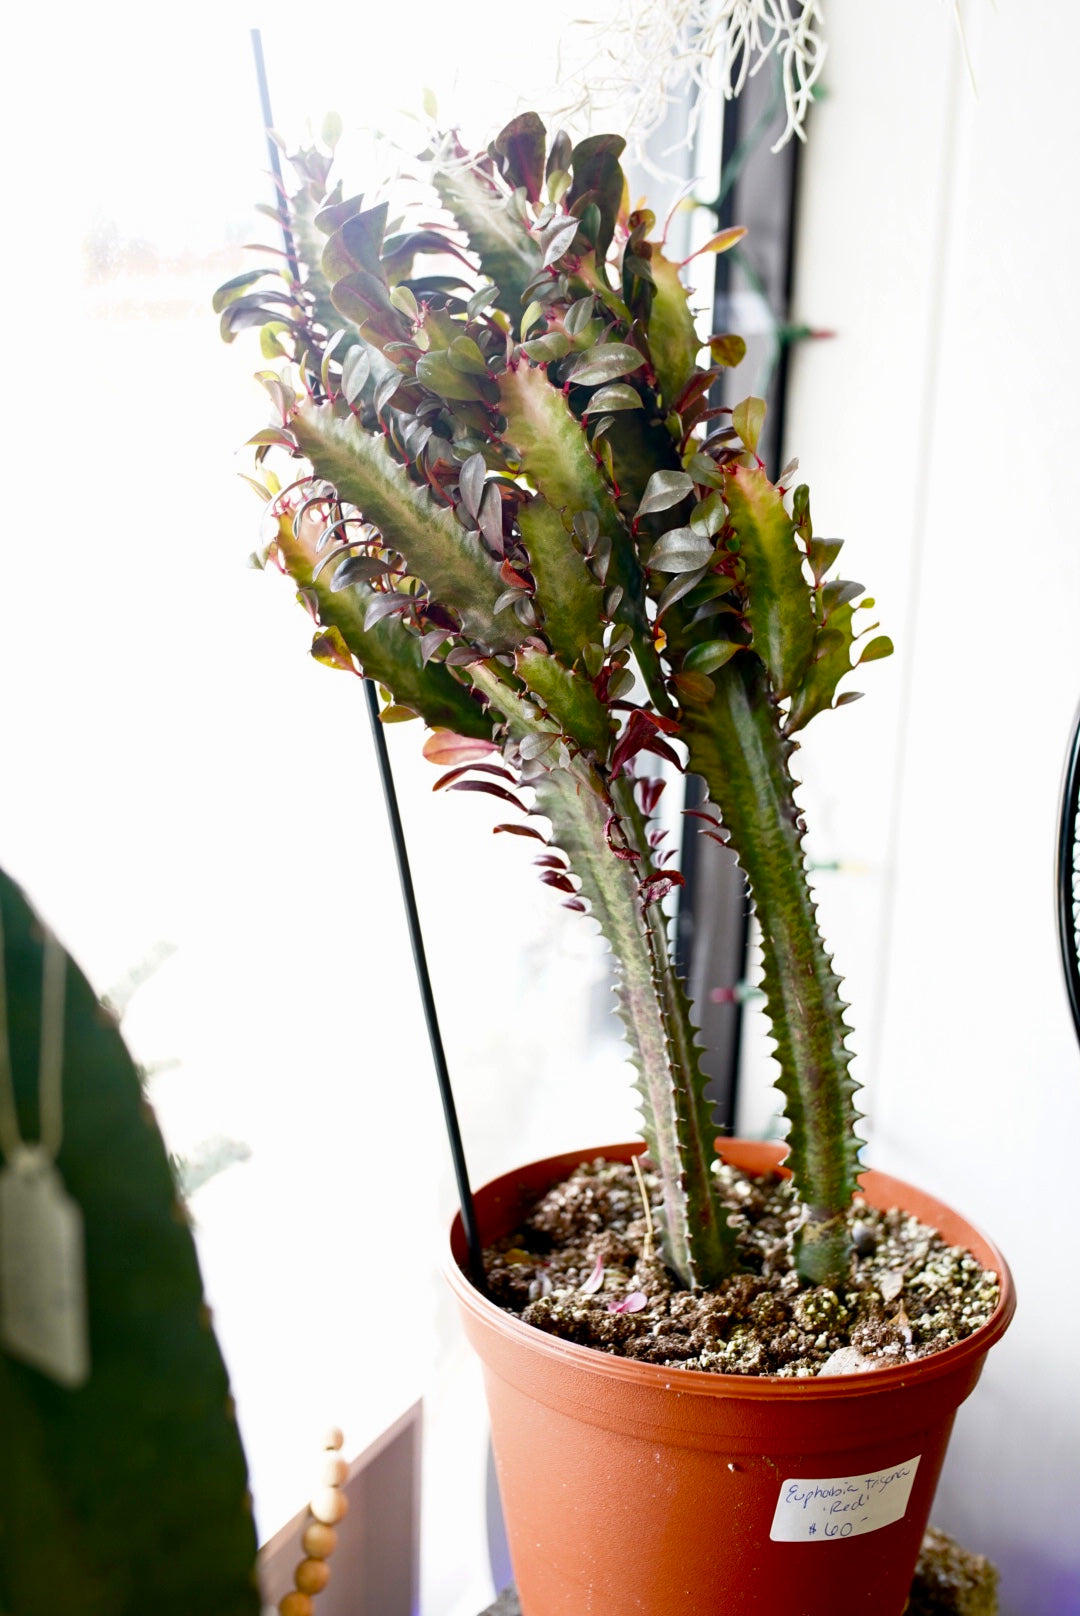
(42, 1270)
(817, 1510)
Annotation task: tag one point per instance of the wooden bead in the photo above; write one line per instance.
(311, 1576)
(329, 1506)
(334, 1438)
(297, 1604)
(319, 1541)
(334, 1471)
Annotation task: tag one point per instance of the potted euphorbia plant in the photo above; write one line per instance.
(516, 510)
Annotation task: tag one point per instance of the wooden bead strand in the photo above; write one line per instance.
(327, 1508)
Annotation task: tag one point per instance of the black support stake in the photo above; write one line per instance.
(1068, 863)
(397, 831)
(271, 146)
(416, 938)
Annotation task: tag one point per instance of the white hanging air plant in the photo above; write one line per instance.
(650, 56)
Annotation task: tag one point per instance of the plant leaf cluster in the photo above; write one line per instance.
(523, 515)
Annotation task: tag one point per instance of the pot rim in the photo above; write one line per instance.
(707, 1383)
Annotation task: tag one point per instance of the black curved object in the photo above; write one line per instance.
(1068, 874)
(386, 776)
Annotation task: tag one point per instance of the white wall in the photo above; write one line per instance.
(938, 237)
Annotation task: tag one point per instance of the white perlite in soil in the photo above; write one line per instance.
(584, 1266)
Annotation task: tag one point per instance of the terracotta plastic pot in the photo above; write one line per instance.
(632, 1488)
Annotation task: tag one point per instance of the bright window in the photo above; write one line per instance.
(186, 788)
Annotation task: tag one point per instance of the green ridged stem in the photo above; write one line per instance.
(712, 1242)
(570, 699)
(509, 256)
(569, 595)
(676, 1118)
(737, 745)
(673, 339)
(556, 456)
(385, 651)
(435, 546)
(780, 609)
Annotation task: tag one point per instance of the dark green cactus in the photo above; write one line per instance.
(129, 1494)
(523, 518)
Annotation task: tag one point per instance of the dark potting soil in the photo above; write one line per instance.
(584, 1266)
(951, 1581)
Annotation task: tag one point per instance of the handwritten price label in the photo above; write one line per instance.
(819, 1510)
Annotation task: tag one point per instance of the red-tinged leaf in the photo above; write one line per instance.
(430, 643)
(380, 606)
(727, 350)
(518, 830)
(511, 576)
(577, 905)
(558, 238)
(663, 490)
(708, 517)
(679, 586)
(695, 388)
(650, 789)
(641, 734)
(541, 350)
(657, 887)
(331, 650)
(443, 746)
(605, 363)
(519, 149)
(700, 813)
(709, 656)
(838, 592)
(551, 861)
(719, 243)
(471, 482)
(693, 687)
(438, 614)
(636, 1302)
(595, 1279)
(561, 883)
(681, 550)
(653, 743)
(881, 647)
(748, 418)
(614, 397)
(463, 768)
(490, 516)
(535, 746)
(492, 791)
(620, 849)
(260, 488)
(273, 437)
